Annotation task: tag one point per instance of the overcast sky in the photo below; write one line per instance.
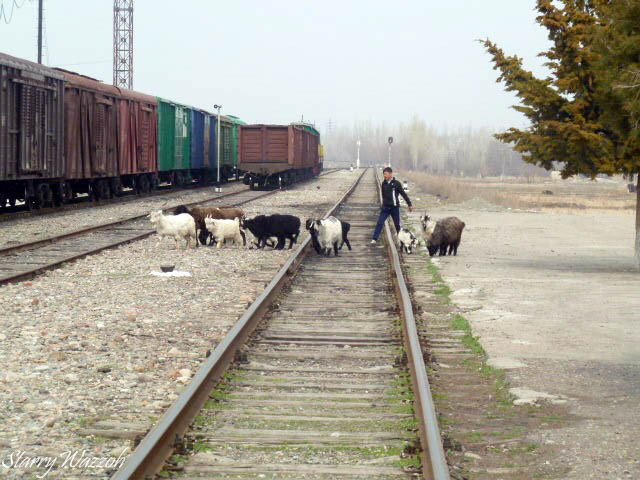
(271, 61)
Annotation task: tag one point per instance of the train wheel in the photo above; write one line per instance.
(58, 195)
(43, 195)
(103, 189)
(115, 187)
(144, 183)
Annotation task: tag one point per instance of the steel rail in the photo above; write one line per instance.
(81, 204)
(52, 240)
(93, 228)
(434, 462)
(158, 445)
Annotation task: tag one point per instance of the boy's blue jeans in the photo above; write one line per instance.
(384, 213)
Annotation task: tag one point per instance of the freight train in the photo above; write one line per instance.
(64, 134)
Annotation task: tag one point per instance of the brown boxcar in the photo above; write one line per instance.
(91, 136)
(31, 132)
(137, 154)
(278, 154)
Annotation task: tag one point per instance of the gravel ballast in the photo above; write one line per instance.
(103, 346)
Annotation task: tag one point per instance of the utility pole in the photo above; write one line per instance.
(218, 107)
(390, 142)
(40, 30)
(122, 43)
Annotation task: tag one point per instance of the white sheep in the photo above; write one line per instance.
(224, 230)
(328, 233)
(181, 226)
(428, 226)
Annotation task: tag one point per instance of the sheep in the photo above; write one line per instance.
(199, 214)
(255, 241)
(427, 226)
(177, 226)
(224, 229)
(327, 232)
(309, 225)
(408, 240)
(345, 227)
(281, 226)
(447, 233)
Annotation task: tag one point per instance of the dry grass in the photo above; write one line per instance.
(524, 194)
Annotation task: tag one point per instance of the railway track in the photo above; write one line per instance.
(25, 260)
(14, 213)
(322, 377)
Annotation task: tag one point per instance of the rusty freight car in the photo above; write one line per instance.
(91, 136)
(31, 133)
(278, 155)
(137, 140)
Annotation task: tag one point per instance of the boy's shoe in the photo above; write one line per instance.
(373, 242)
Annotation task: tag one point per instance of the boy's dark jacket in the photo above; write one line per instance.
(390, 191)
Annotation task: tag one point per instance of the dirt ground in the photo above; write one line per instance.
(555, 299)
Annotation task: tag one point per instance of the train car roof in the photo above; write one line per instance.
(141, 97)
(32, 67)
(75, 79)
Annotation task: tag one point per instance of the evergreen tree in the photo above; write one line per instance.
(585, 115)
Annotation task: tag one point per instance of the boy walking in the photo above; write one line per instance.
(391, 190)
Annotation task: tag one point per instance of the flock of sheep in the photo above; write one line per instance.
(221, 224)
(228, 224)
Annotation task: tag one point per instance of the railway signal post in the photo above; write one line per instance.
(390, 142)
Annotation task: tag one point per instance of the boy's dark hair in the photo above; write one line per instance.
(387, 169)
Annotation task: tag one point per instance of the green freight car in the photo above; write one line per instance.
(174, 142)
(229, 146)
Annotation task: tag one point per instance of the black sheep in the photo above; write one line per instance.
(280, 226)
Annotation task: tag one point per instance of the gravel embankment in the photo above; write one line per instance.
(102, 343)
(34, 228)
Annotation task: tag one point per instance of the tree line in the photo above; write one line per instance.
(420, 147)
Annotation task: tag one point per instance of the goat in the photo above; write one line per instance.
(447, 233)
(408, 240)
(327, 234)
(177, 226)
(224, 230)
(345, 227)
(282, 227)
(427, 225)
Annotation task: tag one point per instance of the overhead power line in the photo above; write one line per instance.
(14, 5)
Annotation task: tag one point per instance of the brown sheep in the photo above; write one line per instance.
(447, 233)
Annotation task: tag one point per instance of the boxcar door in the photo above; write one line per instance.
(145, 139)
(99, 138)
(207, 141)
(181, 134)
(36, 141)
